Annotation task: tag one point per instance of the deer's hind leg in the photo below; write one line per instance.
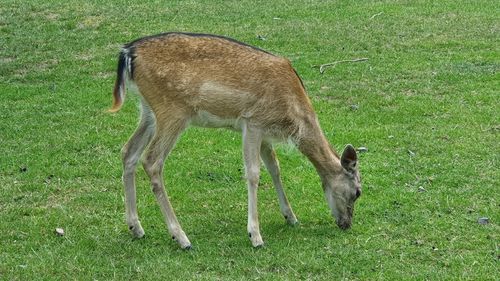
(169, 127)
(131, 153)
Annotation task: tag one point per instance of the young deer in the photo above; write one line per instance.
(213, 81)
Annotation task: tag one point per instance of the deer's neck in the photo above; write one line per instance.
(316, 148)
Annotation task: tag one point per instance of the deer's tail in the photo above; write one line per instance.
(124, 68)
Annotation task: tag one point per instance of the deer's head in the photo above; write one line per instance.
(343, 188)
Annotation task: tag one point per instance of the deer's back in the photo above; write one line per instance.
(218, 77)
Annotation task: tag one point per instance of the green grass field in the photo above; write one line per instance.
(425, 104)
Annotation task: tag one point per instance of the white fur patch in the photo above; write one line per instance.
(208, 120)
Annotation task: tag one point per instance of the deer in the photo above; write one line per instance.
(212, 81)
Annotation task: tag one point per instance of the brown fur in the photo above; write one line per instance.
(170, 71)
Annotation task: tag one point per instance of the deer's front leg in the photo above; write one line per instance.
(252, 138)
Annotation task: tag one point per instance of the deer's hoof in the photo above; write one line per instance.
(136, 230)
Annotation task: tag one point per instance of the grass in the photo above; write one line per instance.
(427, 110)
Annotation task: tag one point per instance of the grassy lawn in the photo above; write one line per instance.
(423, 104)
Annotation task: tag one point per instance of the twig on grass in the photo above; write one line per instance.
(323, 67)
(376, 15)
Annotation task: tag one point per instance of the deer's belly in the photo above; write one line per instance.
(207, 120)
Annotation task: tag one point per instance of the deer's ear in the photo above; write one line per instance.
(349, 158)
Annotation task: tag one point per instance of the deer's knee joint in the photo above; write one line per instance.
(157, 187)
(253, 176)
(151, 167)
(253, 182)
(129, 165)
(129, 158)
(253, 172)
